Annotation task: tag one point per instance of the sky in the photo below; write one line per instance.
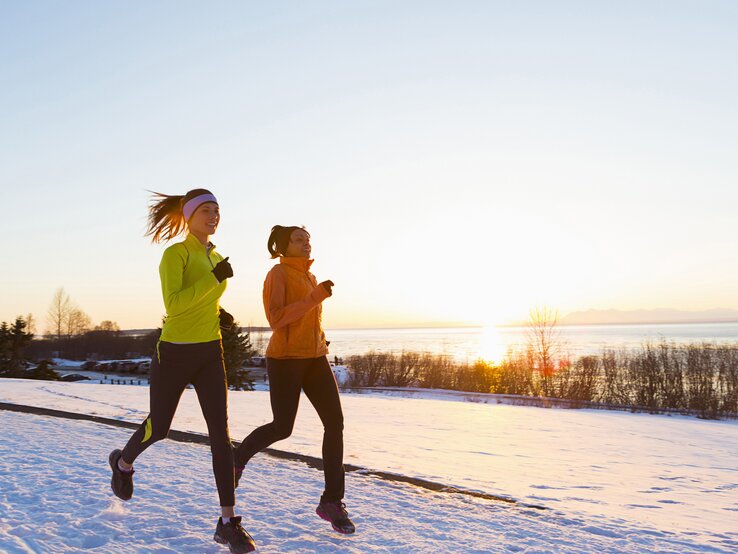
(455, 164)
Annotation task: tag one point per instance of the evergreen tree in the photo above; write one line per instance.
(5, 350)
(236, 350)
(19, 339)
(42, 371)
(13, 339)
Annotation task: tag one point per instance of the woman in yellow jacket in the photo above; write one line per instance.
(296, 361)
(193, 278)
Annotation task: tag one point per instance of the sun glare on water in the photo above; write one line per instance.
(491, 346)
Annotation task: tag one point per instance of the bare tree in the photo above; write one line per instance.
(77, 322)
(544, 338)
(107, 326)
(58, 313)
(31, 324)
(65, 318)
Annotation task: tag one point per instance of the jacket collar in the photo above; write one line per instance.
(193, 241)
(296, 262)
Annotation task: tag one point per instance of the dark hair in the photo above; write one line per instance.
(279, 239)
(165, 214)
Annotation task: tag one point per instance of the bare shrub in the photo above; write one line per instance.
(645, 377)
(701, 380)
(403, 370)
(476, 377)
(614, 386)
(695, 378)
(367, 369)
(671, 360)
(516, 375)
(436, 371)
(727, 378)
(585, 373)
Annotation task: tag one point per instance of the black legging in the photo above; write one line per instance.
(287, 377)
(172, 370)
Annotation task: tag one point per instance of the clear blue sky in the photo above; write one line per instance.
(455, 162)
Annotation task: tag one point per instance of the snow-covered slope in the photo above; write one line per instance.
(613, 482)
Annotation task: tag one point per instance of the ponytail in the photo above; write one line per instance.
(279, 239)
(166, 218)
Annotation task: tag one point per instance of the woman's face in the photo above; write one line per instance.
(299, 245)
(205, 219)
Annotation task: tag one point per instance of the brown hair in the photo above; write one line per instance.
(166, 220)
(279, 239)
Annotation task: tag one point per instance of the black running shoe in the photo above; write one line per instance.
(122, 481)
(235, 536)
(237, 472)
(336, 513)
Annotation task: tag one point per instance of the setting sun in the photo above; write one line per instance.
(492, 348)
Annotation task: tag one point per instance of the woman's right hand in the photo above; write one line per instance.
(328, 286)
(223, 270)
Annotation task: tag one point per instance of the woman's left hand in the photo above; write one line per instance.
(328, 286)
(226, 319)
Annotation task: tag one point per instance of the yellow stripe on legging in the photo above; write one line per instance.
(147, 430)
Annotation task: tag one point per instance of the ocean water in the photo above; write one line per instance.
(492, 343)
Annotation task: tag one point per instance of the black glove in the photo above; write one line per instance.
(328, 286)
(226, 319)
(223, 270)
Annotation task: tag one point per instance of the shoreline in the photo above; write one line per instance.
(430, 327)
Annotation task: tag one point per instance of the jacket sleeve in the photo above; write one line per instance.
(171, 271)
(280, 314)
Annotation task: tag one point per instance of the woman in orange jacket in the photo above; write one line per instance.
(296, 361)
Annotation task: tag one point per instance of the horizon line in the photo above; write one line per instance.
(481, 326)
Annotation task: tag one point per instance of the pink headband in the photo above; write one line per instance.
(191, 205)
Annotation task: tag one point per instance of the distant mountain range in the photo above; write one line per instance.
(602, 317)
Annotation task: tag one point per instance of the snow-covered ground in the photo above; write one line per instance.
(65, 363)
(613, 481)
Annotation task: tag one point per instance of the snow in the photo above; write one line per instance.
(64, 363)
(613, 481)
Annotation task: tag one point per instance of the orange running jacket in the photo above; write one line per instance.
(292, 302)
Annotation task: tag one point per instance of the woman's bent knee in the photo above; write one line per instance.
(281, 430)
(158, 435)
